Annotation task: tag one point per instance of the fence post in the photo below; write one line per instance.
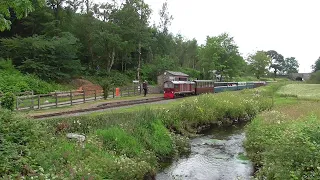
(95, 94)
(56, 99)
(120, 92)
(113, 92)
(32, 101)
(71, 97)
(39, 102)
(84, 96)
(128, 91)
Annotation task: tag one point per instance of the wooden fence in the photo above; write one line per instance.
(59, 99)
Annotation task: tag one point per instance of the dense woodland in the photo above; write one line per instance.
(57, 40)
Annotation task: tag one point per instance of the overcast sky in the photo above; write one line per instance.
(291, 27)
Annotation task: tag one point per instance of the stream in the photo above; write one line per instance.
(218, 154)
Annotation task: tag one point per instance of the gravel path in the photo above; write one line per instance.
(111, 109)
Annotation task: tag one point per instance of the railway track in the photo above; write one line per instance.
(101, 107)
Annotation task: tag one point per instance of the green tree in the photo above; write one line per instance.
(316, 66)
(291, 65)
(49, 58)
(165, 18)
(221, 53)
(277, 61)
(20, 7)
(259, 63)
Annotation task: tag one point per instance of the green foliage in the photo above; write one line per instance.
(277, 61)
(315, 78)
(11, 80)
(106, 87)
(17, 136)
(118, 140)
(223, 108)
(50, 58)
(291, 65)
(154, 136)
(7, 101)
(284, 148)
(316, 66)
(21, 8)
(259, 63)
(221, 53)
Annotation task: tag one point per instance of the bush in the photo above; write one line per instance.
(7, 101)
(106, 87)
(315, 78)
(17, 137)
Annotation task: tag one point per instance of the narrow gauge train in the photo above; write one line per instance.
(174, 89)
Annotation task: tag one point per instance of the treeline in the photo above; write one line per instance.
(63, 39)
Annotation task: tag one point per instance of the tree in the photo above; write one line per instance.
(316, 66)
(259, 63)
(49, 58)
(291, 65)
(20, 8)
(165, 18)
(277, 61)
(221, 53)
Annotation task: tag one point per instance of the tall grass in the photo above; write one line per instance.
(284, 143)
(284, 148)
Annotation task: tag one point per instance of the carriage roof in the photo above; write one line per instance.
(180, 82)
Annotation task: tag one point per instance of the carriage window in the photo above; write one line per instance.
(176, 86)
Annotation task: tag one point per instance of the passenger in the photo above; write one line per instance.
(145, 88)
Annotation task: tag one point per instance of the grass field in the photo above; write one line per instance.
(302, 91)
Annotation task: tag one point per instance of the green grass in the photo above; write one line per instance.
(302, 91)
(284, 143)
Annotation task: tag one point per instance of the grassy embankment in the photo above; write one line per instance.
(119, 145)
(12, 80)
(285, 143)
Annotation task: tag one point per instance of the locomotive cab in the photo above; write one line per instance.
(168, 89)
(178, 88)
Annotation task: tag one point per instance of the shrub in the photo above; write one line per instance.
(284, 148)
(7, 101)
(17, 136)
(315, 78)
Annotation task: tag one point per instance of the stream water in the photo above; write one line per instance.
(217, 155)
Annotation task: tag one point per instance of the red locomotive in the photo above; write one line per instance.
(173, 89)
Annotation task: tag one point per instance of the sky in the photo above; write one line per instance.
(291, 27)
